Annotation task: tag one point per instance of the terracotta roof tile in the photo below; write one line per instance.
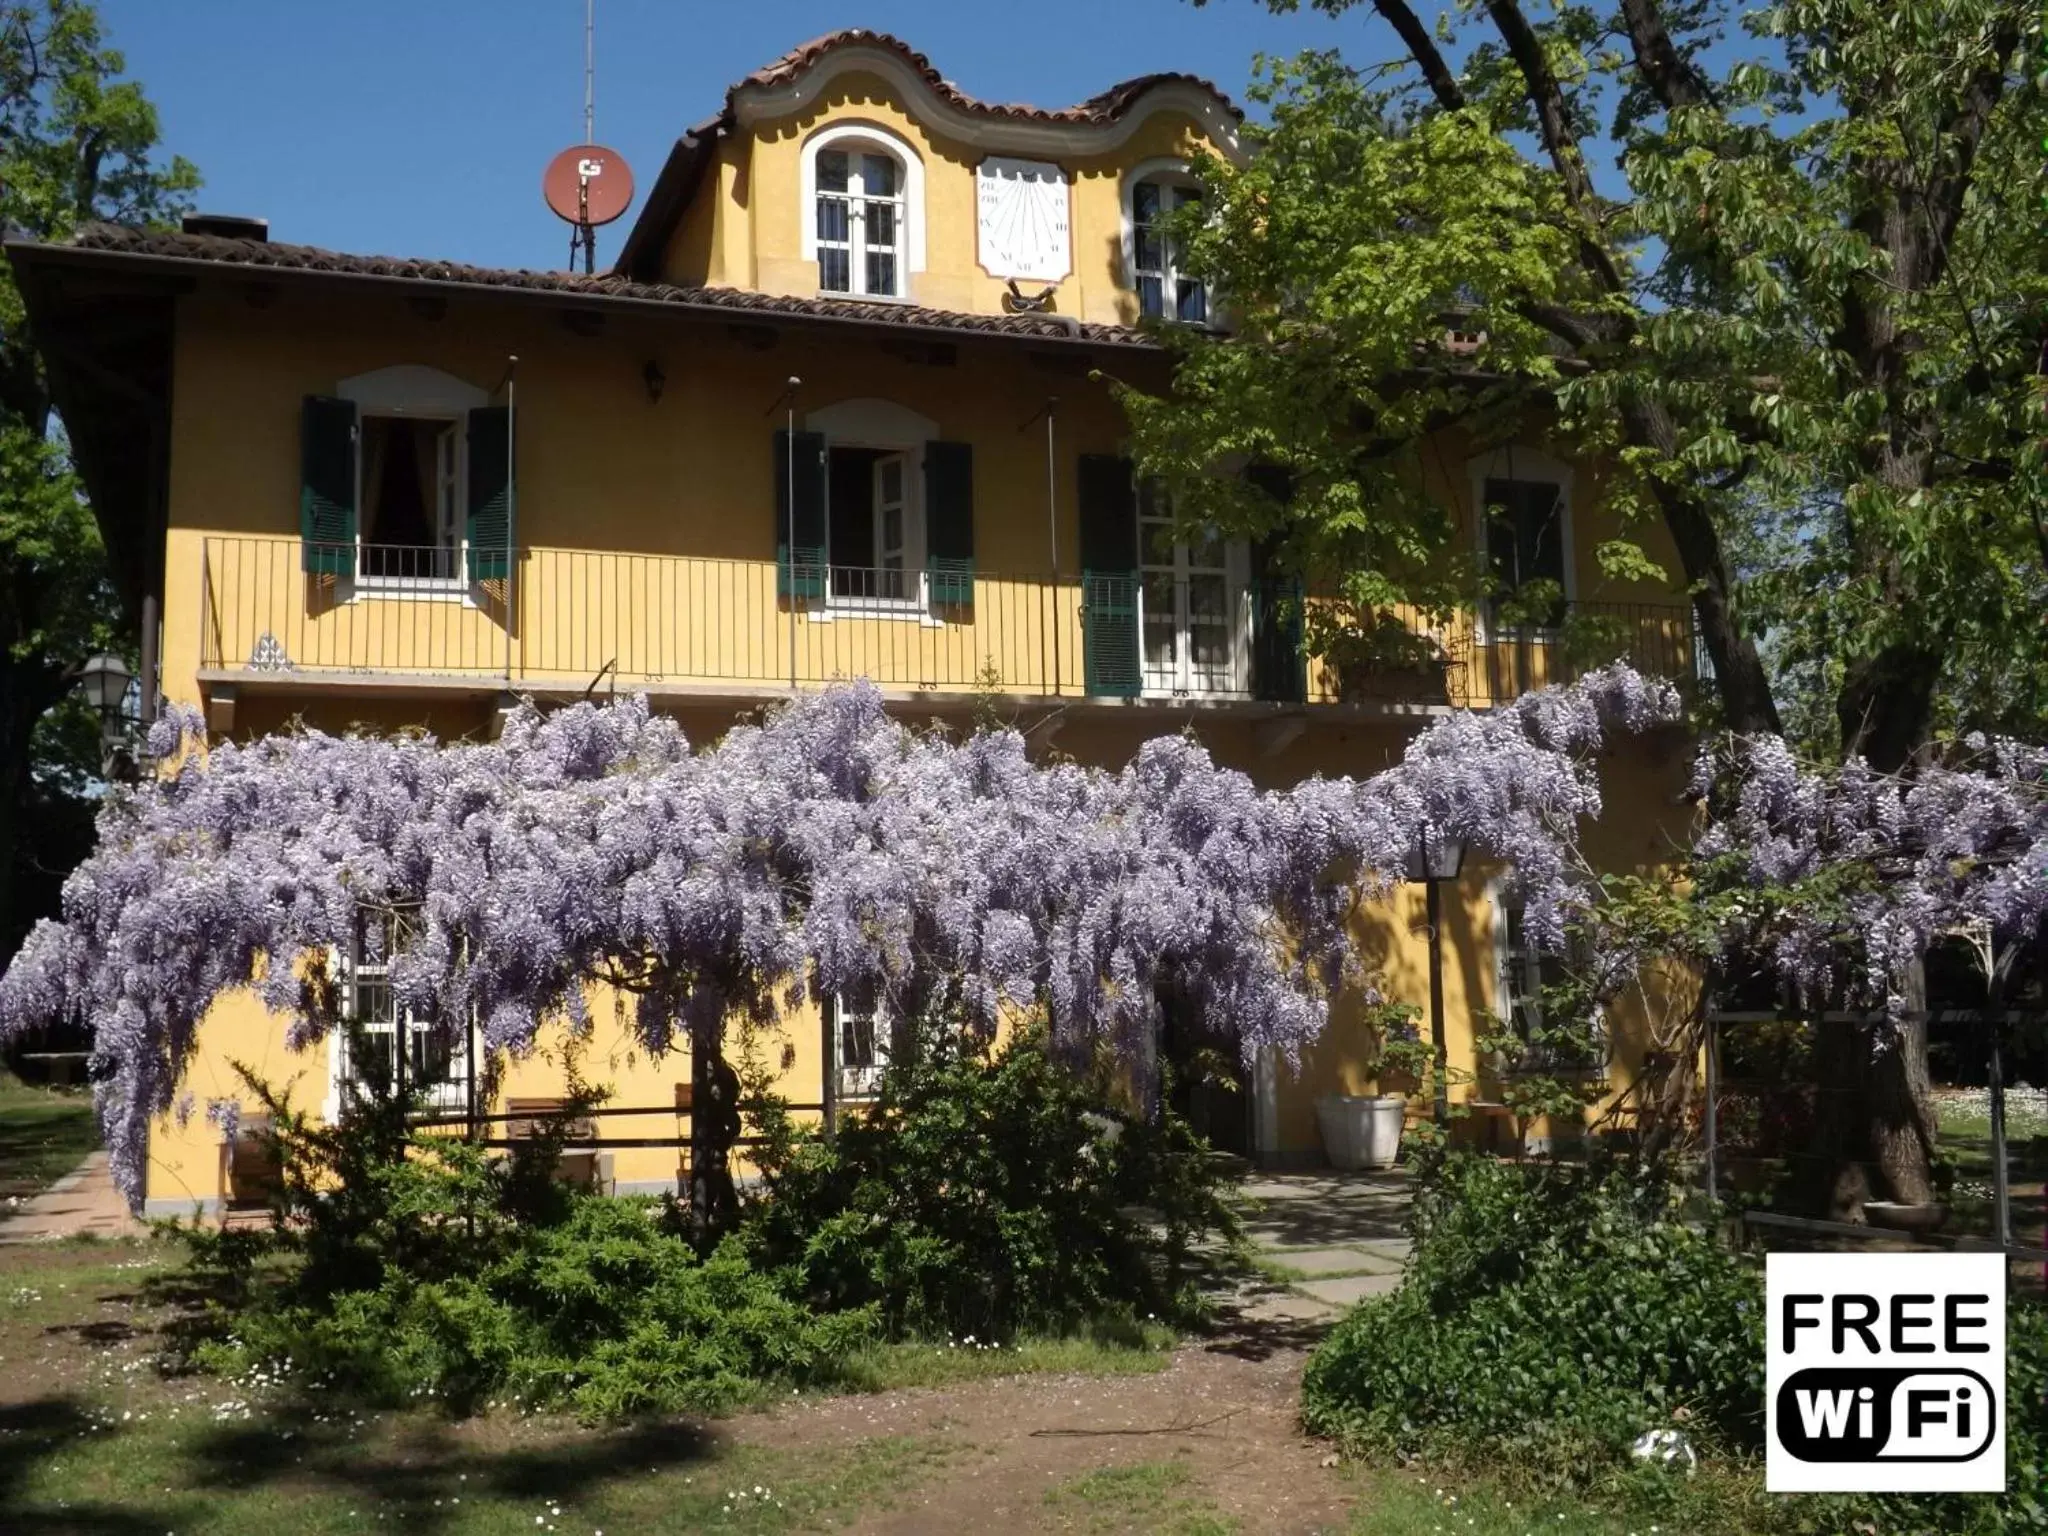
(1104, 107)
(265, 255)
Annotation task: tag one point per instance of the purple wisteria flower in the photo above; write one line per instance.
(826, 849)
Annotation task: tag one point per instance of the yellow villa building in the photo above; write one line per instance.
(839, 409)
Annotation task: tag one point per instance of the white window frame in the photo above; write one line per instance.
(881, 426)
(859, 1084)
(415, 392)
(1169, 175)
(854, 139)
(1236, 573)
(1514, 966)
(1530, 466)
(446, 1097)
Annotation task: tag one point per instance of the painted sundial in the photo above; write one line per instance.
(1025, 224)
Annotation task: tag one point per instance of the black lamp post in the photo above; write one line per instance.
(1434, 862)
(103, 682)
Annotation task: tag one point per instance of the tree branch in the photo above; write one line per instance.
(1966, 127)
(1554, 122)
(1674, 81)
(1399, 15)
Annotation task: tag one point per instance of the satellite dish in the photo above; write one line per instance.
(588, 184)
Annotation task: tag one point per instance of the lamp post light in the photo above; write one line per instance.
(1435, 862)
(103, 682)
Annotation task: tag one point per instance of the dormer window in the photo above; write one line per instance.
(863, 191)
(1165, 291)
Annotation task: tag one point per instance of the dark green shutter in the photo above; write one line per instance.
(1279, 664)
(949, 521)
(327, 486)
(1279, 661)
(1111, 660)
(800, 509)
(489, 529)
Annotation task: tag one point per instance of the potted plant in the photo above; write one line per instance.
(1362, 1131)
(1374, 654)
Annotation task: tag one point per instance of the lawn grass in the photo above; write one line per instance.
(1150, 1498)
(1965, 1130)
(67, 1468)
(1716, 1499)
(44, 1134)
(93, 1438)
(887, 1367)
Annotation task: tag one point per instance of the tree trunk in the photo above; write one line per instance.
(714, 1128)
(1901, 1103)
(1831, 1175)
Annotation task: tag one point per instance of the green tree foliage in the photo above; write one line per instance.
(77, 143)
(1801, 316)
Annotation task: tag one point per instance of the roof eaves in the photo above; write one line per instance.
(197, 255)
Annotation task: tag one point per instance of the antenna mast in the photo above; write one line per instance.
(583, 234)
(586, 184)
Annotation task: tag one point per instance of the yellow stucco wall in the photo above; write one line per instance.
(621, 498)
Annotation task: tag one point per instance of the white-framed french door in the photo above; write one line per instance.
(1194, 610)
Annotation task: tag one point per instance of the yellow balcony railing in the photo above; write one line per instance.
(564, 619)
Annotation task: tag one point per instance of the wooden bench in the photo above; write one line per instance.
(58, 1066)
(585, 1164)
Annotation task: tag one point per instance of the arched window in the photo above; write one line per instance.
(1165, 291)
(864, 196)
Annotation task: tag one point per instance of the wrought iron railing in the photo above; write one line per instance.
(552, 619)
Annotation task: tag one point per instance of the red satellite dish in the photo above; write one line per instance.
(588, 184)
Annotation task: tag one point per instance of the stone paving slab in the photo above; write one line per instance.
(1348, 1290)
(1396, 1249)
(1317, 1263)
(1274, 1306)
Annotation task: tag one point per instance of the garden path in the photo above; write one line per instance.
(80, 1204)
(1215, 1436)
(1322, 1241)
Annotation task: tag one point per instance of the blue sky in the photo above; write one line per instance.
(420, 127)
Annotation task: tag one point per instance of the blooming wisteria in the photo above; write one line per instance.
(1842, 876)
(827, 849)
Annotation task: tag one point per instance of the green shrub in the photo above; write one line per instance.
(989, 1194)
(410, 1267)
(1550, 1315)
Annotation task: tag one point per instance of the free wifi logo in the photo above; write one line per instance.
(1886, 1373)
(1894, 1415)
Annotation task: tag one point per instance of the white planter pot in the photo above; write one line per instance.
(1361, 1132)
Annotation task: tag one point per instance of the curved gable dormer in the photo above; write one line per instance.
(1096, 126)
(850, 168)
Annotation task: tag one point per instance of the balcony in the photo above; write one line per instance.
(278, 613)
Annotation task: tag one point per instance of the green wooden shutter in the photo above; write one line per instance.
(489, 529)
(1111, 661)
(800, 509)
(1279, 660)
(949, 521)
(1279, 663)
(327, 486)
